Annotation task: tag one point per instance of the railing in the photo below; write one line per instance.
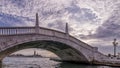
(44, 31)
(29, 30)
(80, 43)
(16, 30)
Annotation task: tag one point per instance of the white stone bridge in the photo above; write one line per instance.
(67, 47)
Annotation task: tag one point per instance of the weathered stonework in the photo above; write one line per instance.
(76, 50)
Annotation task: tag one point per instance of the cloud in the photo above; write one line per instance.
(106, 32)
(18, 3)
(9, 20)
(60, 25)
(81, 14)
(110, 28)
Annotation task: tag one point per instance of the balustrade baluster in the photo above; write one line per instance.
(2, 32)
(8, 32)
(23, 31)
(11, 31)
(29, 30)
(18, 30)
(5, 31)
(15, 30)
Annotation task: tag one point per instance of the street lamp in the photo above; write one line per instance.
(115, 45)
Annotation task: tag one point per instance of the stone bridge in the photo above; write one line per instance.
(67, 47)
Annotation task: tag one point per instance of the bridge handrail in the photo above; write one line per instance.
(14, 27)
(15, 30)
(102, 54)
(71, 38)
(82, 42)
(42, 30)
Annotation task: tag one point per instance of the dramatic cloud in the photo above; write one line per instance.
(18, 3)
(9, 20)
(106, 32)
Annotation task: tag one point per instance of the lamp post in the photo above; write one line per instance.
(115, 45)
(37, 24)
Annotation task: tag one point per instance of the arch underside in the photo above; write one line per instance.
(65, 52)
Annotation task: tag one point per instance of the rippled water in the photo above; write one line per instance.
(12, 62)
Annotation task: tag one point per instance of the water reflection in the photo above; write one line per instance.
(72, 65)
(14, 62)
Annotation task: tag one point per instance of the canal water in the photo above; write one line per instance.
(20, 62)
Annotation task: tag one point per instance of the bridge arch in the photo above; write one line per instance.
(63, 50)
(15, 36)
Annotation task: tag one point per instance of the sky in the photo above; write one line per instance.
(95, 22)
